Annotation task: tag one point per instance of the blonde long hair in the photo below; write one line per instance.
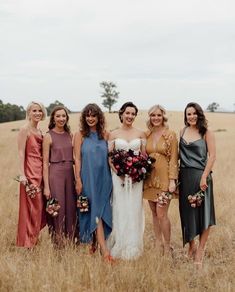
(28, 108)
(151, 111)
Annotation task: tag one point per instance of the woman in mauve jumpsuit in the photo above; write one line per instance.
(59, 176)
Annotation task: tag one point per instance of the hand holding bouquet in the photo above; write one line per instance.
(164, 198)
(83, 203)
(30, 189)
(132, 163)
(52, 207)
(196, 199)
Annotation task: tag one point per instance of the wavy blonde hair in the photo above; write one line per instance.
(28, 108)
(151, 111)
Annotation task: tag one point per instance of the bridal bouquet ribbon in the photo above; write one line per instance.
(30, 189)
(53, 207)
(131, 164)
(196, 199)
(83, 203)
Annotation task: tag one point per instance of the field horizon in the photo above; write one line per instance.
(73, 269)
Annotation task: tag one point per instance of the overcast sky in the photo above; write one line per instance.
(167, 52)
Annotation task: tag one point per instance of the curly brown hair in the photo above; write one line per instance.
(201, 119)
(52, 118)
(92, 109)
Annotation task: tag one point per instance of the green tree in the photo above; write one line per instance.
(52, 105)
(212, 107)
(110, 95)
(11, 112)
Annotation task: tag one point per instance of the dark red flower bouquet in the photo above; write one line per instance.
(132, 163)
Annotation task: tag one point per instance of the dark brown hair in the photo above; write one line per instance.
(123, 108)
(201, 119)
(93, 109)
(52, 118)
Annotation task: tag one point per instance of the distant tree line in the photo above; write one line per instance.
(52, 105)
(12, 112)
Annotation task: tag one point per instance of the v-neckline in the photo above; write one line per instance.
(154, 145)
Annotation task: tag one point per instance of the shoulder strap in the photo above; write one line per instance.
(184, 129)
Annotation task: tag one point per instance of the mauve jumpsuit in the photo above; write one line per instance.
(61, 181)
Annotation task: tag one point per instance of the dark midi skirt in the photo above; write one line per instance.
(195, 220)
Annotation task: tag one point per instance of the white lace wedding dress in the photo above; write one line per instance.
(126, 240)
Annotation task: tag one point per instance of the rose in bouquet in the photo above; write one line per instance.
(196, 199)
(132, 163)
(30, 189)
(165, 197)
(53, 207)
(83, 203)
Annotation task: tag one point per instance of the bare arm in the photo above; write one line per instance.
(22, 138)
(111, 145)
(46, 152)
(77, 143)
(210, 141)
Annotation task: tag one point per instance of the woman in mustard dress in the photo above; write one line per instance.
(163, 146)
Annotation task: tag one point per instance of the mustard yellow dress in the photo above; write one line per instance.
(166, 165)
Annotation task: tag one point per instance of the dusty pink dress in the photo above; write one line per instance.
(31, 211)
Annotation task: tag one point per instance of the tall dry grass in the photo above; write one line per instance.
(72, 269)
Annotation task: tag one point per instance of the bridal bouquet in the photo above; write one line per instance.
(30, 189)
(132, 163)
(52, 207)
(196, 199)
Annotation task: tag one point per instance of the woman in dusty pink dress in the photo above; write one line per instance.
(31, 212)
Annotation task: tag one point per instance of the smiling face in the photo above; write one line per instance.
(191, 116)
(91, 120)
(35, 113)
(128, 116)
(60, 118)
(156, 118)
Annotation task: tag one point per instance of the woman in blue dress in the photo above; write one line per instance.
(93, 179)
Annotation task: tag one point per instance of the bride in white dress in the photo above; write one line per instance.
(126, 240)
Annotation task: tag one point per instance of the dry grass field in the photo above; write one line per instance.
(73, 269)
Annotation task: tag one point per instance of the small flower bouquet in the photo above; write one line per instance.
(83, 203)
(164, 198)
(30, 189)
(132, 163)
(52, 207)
(196, 199)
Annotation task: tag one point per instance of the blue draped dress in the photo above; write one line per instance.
(97, 187)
